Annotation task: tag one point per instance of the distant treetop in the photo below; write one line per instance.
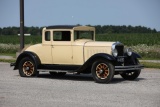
(99, 29)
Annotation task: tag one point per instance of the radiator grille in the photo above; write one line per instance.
(120, 50)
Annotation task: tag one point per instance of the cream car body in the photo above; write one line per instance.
(69, 52)
(74, 48)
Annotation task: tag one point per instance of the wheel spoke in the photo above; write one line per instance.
(28, 68)
(102, 71)
(104, 66)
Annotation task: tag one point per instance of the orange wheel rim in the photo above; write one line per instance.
(102, 71)
(28, 68)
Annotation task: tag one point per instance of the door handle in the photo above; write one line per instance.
(52, 46)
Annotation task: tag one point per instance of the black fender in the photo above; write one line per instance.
(135, 55)
(87, 65)
(132, 60)
(31, 55)
(102, 55)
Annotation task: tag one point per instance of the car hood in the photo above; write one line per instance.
(90, 43)
(98, 44)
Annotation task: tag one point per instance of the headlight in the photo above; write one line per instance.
(115, 52)
(129, 51)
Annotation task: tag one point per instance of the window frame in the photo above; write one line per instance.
(47, 35)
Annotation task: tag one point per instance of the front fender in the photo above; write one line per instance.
(135, 55)
(101, 56)
(95, 57)
(31, 55)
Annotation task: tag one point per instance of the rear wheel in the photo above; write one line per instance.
(27, 67)
(102, 71)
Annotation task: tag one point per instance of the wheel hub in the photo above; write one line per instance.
(27, 68)
(101, 71)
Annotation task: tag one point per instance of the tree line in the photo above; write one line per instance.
(99, 29)
(123, 29)
(16, 30)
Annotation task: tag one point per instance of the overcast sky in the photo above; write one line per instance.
(70, 12)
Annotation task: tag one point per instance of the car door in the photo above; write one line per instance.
(44, 50)
(62, 47)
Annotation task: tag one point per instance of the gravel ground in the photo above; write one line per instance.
(78, 90)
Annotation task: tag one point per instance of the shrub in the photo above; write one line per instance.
(8, 48)
(152, 52)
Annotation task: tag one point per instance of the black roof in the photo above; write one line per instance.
(61, 27)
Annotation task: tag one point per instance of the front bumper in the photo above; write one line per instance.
(128, 68)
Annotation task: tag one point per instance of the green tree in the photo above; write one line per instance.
(0, 31)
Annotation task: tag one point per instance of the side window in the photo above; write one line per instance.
(61, 36)
(47, 36)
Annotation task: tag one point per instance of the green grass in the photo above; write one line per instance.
(8, 54)
(131, 39)
(14, 39)
(7, 60)
(144, 58)
(151, 65)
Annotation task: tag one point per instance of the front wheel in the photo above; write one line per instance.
(102, 71)
(131, 75)
(27, 67)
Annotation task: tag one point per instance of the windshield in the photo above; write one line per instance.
(83, 35)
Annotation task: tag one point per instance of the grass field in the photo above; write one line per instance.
(147, 45)
(14, 39)
(129, 39)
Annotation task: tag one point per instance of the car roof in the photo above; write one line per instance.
(61, 27)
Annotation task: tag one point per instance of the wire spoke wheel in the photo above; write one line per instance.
(28, 68)
(102, 71)
(131, 75)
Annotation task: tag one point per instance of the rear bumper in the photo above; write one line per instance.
(12, 64)
(128, 68)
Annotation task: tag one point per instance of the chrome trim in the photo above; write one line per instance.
(129, 51)
(114, 46)
(127, 68)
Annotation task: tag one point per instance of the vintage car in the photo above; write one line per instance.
(74, 49)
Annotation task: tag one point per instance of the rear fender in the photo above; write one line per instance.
(31, 55)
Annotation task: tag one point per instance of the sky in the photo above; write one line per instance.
(71, 12)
